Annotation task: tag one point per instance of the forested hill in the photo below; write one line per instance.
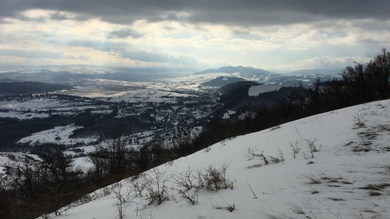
(30, 87)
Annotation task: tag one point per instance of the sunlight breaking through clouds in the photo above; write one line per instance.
(193, 35)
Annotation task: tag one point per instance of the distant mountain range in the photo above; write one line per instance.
(251, 71)
(306, 77)
(332, 71)
(75, 75)
(30, 87)
(79, 76)
(246, 71)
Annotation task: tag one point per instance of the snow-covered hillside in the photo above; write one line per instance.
(348, 177)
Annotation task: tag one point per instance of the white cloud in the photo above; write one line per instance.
(326, 62)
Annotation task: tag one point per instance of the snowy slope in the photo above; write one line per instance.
(347, 178)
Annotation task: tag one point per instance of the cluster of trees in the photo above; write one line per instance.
(12, 129)
(116, 159)
(96, 123)
(23, 96)
(44, 186)
(39, 186)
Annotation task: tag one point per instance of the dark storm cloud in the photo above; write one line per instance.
(124, 33)
(59, 16)
(238, 12)
(124, 51)
(63, 16)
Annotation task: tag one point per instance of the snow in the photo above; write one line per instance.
(58, 135)
(23, 116)
(135, 92)
(228, 113)
(29, 104)
(329, 185)
(82, 163)
(259, 89)
(41, 108)
(14, 159)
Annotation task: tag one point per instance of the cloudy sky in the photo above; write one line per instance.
(196, 34)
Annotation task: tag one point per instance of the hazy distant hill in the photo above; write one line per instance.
(235, 93)
(307, 77)
(247, 72)
(221, 81)
(30, 87)
(79, 75)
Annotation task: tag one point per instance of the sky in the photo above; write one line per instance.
(273, 35)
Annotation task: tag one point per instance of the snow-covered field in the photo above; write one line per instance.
(42, 108)
(58, 135)
(135, 91)
(348, 177)
(14, 159)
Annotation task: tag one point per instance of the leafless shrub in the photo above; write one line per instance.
(252, 155)
(191, 196)
(297, 209)
(312, 146)
(253, 192)
(143, 214)
(359, 123)
(313, 180)
(200, 181)
(157, 191)
(296, 148)
(139, 185)
(186, 187)
(215, 179)
(106, 191)
(307, 143)
(277, 159)
(122, 201)
(185, 181)
(274, 159)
